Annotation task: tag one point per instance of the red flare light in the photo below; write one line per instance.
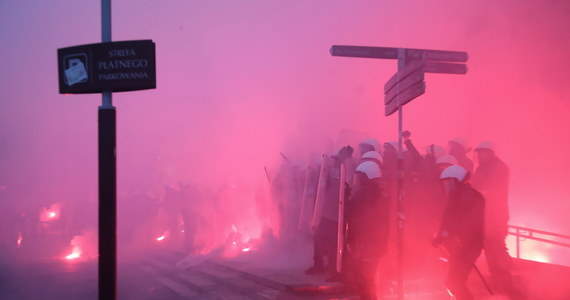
(163, 236)
(51, 213)
(20, 240)
(75, 253)
(238, 242)
(83, 247)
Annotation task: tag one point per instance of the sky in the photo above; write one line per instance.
(239, 82)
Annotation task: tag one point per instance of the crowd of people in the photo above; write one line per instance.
(449, 203)
(353, 202)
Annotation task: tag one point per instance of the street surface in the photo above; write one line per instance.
(39, 271)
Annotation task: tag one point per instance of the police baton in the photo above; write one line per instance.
(446, 252)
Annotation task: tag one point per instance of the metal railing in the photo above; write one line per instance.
(524, 233)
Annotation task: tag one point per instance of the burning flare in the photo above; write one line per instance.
(163, 236)
(20, 240)
(237, 242)
(83, 247)
(75, 253)
(51, 213)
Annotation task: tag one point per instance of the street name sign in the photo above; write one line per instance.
(401, 74)
(392, 53)
(445, 68)
(404, 84)
(111, 66)
(436, 55)
(363, 51)
(404, 97)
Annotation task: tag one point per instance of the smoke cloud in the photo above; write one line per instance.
(239, 83)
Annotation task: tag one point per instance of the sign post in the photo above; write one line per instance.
(406, 85)
(105, 68)
(400, 185)
(107, 273)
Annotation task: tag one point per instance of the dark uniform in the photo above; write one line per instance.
(423, 206)
(462, 233)
(459, 152)
(492, 179)
(367, 215)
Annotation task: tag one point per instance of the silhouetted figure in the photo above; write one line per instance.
(492, 179)
(190, 215)
(368, 144)
(423, 206)
(326, 233)
(458, 148)
(367, 215)
(173, 208)
(462, 229)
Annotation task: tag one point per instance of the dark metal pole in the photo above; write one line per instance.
(107, 180)
(400, 187)
(107, 204)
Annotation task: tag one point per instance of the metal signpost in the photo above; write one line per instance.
(105, 68)
(107, 274)
(404, 86)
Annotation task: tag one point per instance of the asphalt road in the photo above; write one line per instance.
(40, 271)
(59, 279)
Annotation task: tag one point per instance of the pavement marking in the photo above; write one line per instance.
(268, 293)
(179, 288)
(161, 264)
(197, 281)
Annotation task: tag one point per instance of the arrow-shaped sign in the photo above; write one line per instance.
(403, 73)
(407, 82)
(404, 97)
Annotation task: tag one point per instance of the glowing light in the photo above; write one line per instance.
(83, 247)
(75, 253)
(530, 250)
(539, 257)
(163, 236)
(240, 241)
(20, 239)
(50, 214)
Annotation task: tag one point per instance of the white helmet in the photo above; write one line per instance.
(394, 145)
(372, 142)
(447, 159)
(460, 141)
(372, 155)
(456, 172)
(370, 169)
(485, 145)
